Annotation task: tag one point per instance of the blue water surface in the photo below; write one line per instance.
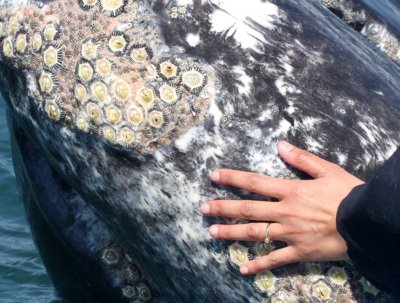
(22, 274)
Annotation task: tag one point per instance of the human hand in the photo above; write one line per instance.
(304, 217)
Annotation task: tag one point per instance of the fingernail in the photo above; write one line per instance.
(205, 209)
(215, 176)
(244, 270)
(213, 230)
(285, 146)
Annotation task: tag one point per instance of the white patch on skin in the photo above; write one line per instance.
(237, 18)
(313, 145)
(184, 142)
(245, 80)
(285, 87)
(342, 159)
(184, 2)
(193, 39)
(265, 115)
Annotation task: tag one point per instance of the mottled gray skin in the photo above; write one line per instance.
(303, 73)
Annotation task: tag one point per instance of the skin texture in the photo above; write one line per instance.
(304, 218)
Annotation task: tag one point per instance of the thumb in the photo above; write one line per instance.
(304, 160)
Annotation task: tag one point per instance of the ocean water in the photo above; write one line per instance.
(22, 274)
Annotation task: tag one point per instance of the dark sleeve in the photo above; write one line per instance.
(369, 220)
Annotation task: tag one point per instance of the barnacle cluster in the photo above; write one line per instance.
(101, 68)
(127, 276)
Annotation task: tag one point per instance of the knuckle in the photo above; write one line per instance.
(252, 232)
(274, 261)
(302, 156)
(247, 210)
(253, 183)
(215, 207)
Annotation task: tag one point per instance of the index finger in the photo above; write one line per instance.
(252, 182)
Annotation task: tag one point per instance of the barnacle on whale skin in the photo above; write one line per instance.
(113, 114)
(99, 90)
(113, 8)
(48, 83)
(338, 275)
(113, 67)
(54, 109)
(85, 71)
(37, 41)
(87, 4)
(103, 67)
(81, 92)
(89, 49)
(238, 254)
(21, 42)
(8, 47)
(265, 282)
(120, 90)
(52, 57)
(321, 291)
(51, 31)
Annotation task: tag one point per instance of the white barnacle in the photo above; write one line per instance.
(89, 50)
(110, 256)
(338, 275)
(52, 57)
(121, 90)
(103, 67)
(113, 114)
(1, 28)
(87, 4)
(47, 83)
(51, 31)
(99, 91)
(109, 133)
(113, 7)
(81, 93)
(129, 291)
(168, 94)
(118, 43)
(145, 97)
(13, 25)
(93, 111)
(238, 254)
(193, 80)
(127, 136)
(53, 110)
(85, 71)
(21, 43)
(168, 69)
(140, 55)
(82, 124)
(37, 41)
(321, 290)
(265, 281)
(144, 293)
(156, 119)
(135, 115)
(8, 47)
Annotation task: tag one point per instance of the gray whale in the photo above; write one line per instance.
(226, 81)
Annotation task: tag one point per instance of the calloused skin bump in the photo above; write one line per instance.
(304, 218)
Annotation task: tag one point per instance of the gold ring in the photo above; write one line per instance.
(267, 238)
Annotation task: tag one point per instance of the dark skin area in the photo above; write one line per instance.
(304, 216)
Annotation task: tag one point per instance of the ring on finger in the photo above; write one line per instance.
(267, 239)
